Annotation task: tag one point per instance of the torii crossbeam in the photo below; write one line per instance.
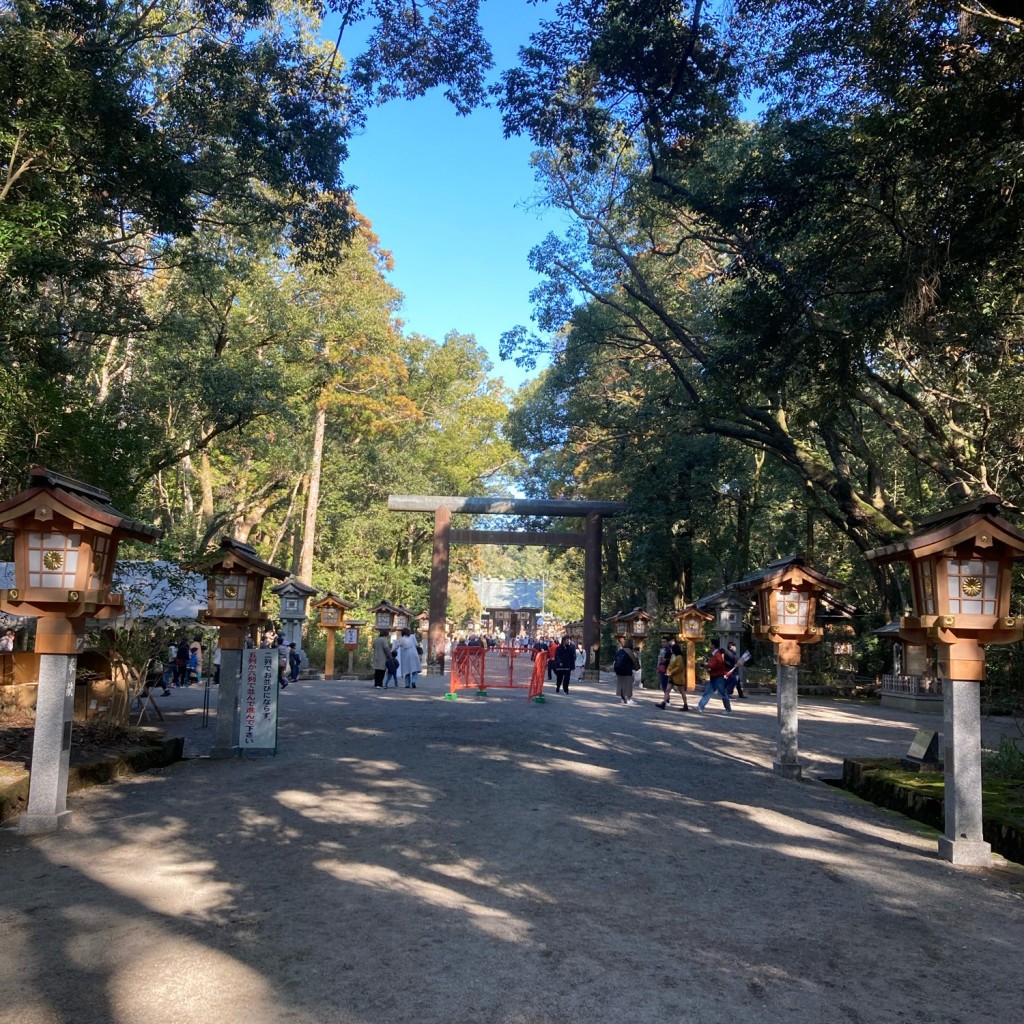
(443, 506)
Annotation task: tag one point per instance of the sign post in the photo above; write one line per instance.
(257, 728)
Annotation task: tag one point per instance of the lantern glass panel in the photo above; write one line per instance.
(928, 606)
(792, 609)
(691, 627)
(331, 616)
(383, 620)
(53, 560)
(401, 622)
(639, 628)
(972, 586)
(230, 593)
(100, 551)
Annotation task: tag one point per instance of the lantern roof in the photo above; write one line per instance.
(723, 598)
(974, 522)
(693, 611)
(793, 570)
(331, 600)
(831, 609)
(294, 588)
(393, 609)
(74, 500)
(235, 555)
(637, 614)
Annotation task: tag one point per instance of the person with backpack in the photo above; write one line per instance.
(626, 662)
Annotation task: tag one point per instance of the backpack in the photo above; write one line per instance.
(623, 663)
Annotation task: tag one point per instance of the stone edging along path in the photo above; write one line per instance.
(154, 753)
(861, 776)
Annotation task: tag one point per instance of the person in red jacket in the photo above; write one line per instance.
(716, 681)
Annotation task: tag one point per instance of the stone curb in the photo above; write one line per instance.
(156, 753)
(860, 777)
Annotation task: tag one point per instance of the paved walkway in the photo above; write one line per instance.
(409, 859)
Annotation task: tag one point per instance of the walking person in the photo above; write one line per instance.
(294, 661)
(676, 676)
(379, 655)
(626, 662)
(181, 656)
(733, 671)
(664, 656)
(565, 662)
(391, 669)
(716, 681)
(552, 651)
(408, 658)
(282, 662)
(581, 663)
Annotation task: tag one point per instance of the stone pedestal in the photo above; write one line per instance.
(786, 762)
(51, 745)
(963, 842)
(226, 742)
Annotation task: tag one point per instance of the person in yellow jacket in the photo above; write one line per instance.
(676, 673)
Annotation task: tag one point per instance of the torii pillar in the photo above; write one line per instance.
(438, 610)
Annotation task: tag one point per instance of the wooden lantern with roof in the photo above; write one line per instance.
(332, 617)
(787, 592)
(235, 577)
(66, 537)
(961, 565)
(691, 621)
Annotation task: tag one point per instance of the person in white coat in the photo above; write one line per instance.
(408, 658)
(581, 663)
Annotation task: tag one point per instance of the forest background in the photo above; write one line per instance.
(787, 314)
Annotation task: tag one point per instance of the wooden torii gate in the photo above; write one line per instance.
(443, 506)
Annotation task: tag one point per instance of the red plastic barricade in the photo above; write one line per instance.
(482, 667)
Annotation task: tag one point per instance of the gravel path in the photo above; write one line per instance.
(409, 859)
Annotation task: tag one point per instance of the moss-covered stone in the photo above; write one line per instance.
(887, 783)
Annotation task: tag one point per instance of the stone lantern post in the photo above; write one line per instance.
(234, 602)
(294, 596)
(961, 564)
(332, 610)
(787, 594)
(66, 536)
(691, 626)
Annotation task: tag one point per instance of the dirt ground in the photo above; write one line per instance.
(409, 859)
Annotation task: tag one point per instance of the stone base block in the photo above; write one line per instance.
(965, 852)
(32, 823)
(787, 769)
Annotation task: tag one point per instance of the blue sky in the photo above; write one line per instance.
(451, 199)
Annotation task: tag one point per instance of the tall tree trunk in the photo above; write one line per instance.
(312, 498)
(206, 485)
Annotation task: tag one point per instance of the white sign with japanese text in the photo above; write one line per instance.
(258, 728)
